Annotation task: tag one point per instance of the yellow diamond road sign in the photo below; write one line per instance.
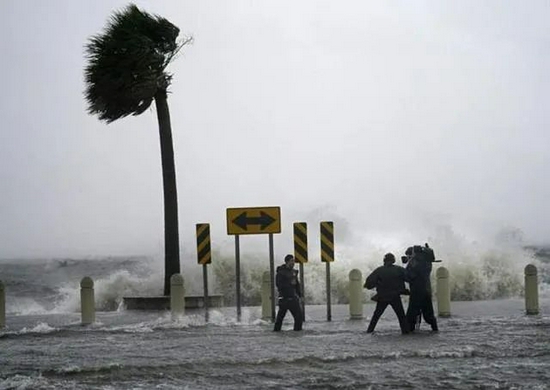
(254, 220)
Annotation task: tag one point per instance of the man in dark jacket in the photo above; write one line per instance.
(290, 293)
(417, 274)
(389, 281)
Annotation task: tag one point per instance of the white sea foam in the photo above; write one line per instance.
(165, 321)
(109, 291)
(23, 382)
(461, 352)
(40, 327)
(24, 306)
(479, 270)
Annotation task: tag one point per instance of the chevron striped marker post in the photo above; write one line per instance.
(327, 256)
(300, 254)
(204, 257)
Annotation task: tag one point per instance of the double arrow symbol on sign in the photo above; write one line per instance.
(264, 220)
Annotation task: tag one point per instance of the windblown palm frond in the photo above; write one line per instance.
(127, 63)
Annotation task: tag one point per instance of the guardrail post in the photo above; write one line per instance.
(531, 290)
(443, 292)
(87, 300)
(177, 296)
(355, 294)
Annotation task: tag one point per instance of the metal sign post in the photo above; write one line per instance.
(329, 313)
(204, 257)
(327, 256)
(272, 273)
(253, 220)
(238, 276)
(205, 283)
(300, 254)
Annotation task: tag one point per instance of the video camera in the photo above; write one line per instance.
(418, 251)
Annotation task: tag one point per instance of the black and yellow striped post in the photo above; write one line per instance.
(204, 257)
(327, 256)
(300, 254)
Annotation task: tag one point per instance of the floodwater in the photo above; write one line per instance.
(484, 345)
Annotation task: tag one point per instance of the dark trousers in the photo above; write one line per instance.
(292, 304)
(397, 307)
(420, 304)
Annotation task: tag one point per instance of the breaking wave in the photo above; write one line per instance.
(477, 272)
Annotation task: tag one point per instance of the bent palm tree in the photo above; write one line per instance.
(126, 71)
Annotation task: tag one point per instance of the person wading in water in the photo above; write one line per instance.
(389, 281)
(290, 294)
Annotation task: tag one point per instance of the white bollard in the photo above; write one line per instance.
(355, 294)
(87, 300)
(443, 292)
(2, 305)
(266, 296)
(177, 296)
(531, 290)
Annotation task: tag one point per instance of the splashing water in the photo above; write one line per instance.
(477, 270)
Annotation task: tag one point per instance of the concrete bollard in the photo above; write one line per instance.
(2, 305)
(355, 295)
(266, 296)
(87, 300)
(443, 291)
(177, 296)
(531, 290)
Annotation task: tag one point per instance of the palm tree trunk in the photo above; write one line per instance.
(171, 233)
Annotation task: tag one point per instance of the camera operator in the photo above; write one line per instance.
(419, 261)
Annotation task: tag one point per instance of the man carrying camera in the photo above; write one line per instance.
(419, 261)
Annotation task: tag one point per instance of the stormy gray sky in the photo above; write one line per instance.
(390, 118)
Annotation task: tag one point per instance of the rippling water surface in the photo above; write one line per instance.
(485, 345)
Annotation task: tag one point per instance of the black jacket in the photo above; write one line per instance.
(389, 281)
(287, 282)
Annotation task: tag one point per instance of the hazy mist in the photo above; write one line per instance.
(397, 120)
